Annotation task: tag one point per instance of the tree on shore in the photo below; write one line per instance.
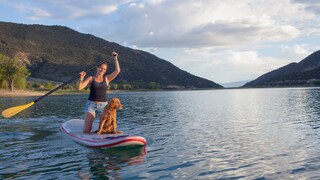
(12, 70)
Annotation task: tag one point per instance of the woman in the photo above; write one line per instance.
(98, 96)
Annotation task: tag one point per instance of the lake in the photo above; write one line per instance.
(209, 134)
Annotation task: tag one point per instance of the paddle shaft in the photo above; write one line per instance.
(61, 85)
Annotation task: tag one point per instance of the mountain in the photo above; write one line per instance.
(58, 53)
(233, 84)
(304, 73)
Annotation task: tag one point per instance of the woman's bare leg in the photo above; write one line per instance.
(88, 120)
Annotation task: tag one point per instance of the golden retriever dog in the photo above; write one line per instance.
(108, 121)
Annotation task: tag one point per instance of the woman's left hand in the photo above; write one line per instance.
(115, 55)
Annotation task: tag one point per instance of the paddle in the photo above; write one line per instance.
(15, 110)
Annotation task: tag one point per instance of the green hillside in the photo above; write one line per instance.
(58, 53)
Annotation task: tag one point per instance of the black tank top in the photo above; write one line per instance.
(98, 91)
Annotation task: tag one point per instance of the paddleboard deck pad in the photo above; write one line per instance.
(74, 127)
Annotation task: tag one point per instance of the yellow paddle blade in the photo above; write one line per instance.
(15, 110)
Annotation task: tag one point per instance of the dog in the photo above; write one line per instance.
(108, 121)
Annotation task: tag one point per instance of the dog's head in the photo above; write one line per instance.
(115, 103)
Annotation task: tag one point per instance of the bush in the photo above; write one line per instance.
(48, 86)
(36, 85)
(21, 83)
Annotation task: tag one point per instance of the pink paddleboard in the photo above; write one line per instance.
(73, 128)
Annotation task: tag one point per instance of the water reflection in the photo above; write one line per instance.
(311, 101)
(107, 163)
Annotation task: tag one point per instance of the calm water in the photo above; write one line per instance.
(248, 133)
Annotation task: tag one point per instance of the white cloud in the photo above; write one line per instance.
(67, 10)
(92, 12)
(181, 24)
(300, 50)
(39, 13)
(177, 24)
(296, 52)
(226, 65)
(35, 13)
(250, 61)
(106, 9)
(219, 34)
(310, 5)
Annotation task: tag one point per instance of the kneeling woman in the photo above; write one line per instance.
(98, 91)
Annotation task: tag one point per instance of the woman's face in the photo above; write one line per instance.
(102, 69)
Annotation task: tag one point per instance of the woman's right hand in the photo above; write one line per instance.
(82, 84)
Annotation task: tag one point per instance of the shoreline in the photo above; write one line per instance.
(29, 93)
(5, 93)
(20, 93)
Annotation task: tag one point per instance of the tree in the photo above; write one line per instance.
(12, 70)
(2, 59)
(153, 85)
(48, 86)
(115, 86)
(126, 86)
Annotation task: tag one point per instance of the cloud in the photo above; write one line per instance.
(249, 64)
(227, 65)
(219, 34)
(176, 24)
(35, 13)
(250, 61)
(311, 5)
(296, 51)
(300, 50)
(70, 9)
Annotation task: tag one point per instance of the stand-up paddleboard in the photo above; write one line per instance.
(73, 128)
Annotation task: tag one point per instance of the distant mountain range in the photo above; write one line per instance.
(304, 73)
(234, 84)
(58, 53)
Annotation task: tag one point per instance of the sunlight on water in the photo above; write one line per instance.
(247, 133)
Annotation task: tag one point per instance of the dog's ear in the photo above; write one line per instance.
(118, 103)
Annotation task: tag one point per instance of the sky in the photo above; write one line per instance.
(223, 41)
